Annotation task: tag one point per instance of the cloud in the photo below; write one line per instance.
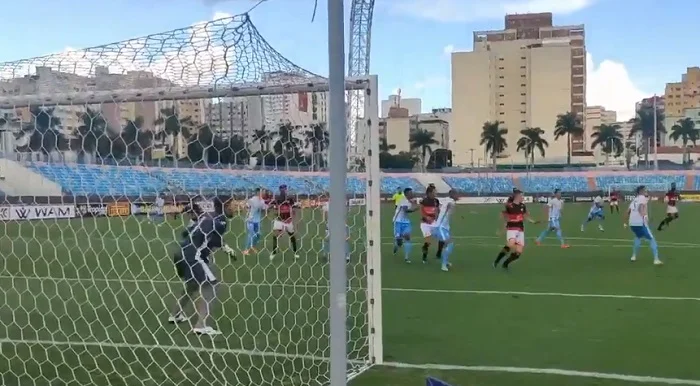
(432, 81)
(471, 10)
(609, 85)
(448, 49)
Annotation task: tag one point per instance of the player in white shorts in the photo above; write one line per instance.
(515, 214)
(672, 197)
(638, 220)
(429, 208)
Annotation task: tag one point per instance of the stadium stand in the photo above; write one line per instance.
(535, 183)
(605, 182)
(696, 182)
(480, 185)
(136, 181)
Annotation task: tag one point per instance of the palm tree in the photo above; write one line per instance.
(568, 124)
(319, 139)
(138, 141)
(264, 138)
(385, 146)
(421, 141)
(45, 136)
(174, 126)
(493, 139)
(287, 143)
(643, 125)
(92, 127)
(532, 139)
(685, 131)
(610, 140)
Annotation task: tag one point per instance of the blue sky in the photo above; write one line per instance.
(634, 47)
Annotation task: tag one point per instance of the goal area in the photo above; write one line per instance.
(92, 140)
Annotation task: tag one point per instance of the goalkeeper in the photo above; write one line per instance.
(193, 266)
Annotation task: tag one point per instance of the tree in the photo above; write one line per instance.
(532, 139)
(137, 140)
(609, 139)
(493, 139)
(685, 131)
(568, 124)
(264, 138)
(421, 141)
(319, 139)
(174, 126)
(46, 137)
(92, 127)
(199, 144)
(385, 147)
(643, 125)
(287, 144)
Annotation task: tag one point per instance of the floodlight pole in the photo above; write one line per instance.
(656, 143)
(337, 210)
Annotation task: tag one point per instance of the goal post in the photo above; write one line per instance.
(90, 282)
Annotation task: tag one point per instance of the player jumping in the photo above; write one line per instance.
(284, 222)
(442, 228)
(515, 214)
(554, 206)
(430, 207)
(638, 217)
(595, 213)
(614, 201)
(194, 268)
(402, 225)
(256, 211)
(672, 198)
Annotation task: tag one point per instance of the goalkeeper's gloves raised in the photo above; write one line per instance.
(229, 251)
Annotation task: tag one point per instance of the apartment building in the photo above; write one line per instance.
(521, 76)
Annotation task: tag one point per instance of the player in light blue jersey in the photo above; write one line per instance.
(157, 214)
(257, 207)
(555, 207)
(442, 227)
(638, 219)
(595, 213)
(326, 240)
(402, 224)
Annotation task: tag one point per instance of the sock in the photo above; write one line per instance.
(425, 247)
(397, 244)
(560, 236)
(654, 248)
(441, 245)
(407, 246)
(636, 245)
(543, 234)
(611, 209)
(293, 240)
(274, 244)
(663, 222)
(501, 255)
(205, 304)
(446, 254)
(250, 241)
(513, 256)
(617, 209)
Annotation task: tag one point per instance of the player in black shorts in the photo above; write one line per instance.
(193, 266)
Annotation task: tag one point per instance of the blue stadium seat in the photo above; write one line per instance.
(542, 184)
(136, 181)
(696, 184)
(480, 185)
(608, 181)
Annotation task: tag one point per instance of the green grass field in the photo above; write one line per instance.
(82, 302)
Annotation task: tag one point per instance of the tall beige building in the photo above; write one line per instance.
(682, 95)
(596, 116)
(521, 76)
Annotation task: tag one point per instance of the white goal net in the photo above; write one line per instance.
(111, 153)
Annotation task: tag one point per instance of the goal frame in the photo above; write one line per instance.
(364, 142)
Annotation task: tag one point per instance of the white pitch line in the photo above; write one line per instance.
(539, 371)
(388, 289)
(626, 241)
(481, 244)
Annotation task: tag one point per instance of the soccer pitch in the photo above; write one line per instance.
(84, 302)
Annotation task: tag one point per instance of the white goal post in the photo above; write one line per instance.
(88, 290)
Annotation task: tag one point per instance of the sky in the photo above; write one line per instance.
(634, 48)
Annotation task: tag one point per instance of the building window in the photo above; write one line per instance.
(501, 113)
(523, 85)
(501, 86)
(501, 77)
(501, 95)
(523, 121)
(522, 76)
(523, 57)
(501, 59)
(522, 67)
(502, 122)
(503, 104)
(523, 103)
(523, 94)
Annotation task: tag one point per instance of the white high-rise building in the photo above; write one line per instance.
(236, 116)
(299, 109)
(413, 105)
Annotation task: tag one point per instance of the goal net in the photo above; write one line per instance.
(93, 140)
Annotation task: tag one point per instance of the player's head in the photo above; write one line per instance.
(673, 186)
(283, 190)
(517, 196)
(453, 194)
(218, 205)
(641, 190)
(194, 210)
(399, 190)
(557, 193)
(408, 192)
(430, 192)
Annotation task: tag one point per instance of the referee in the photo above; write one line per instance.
(398, 196)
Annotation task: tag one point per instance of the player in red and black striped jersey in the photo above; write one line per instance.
(284, 221)
(515, 213)
(429, 209)
(614, 201)
(672, 197)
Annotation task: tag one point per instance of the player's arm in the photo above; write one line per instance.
(529, 218)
